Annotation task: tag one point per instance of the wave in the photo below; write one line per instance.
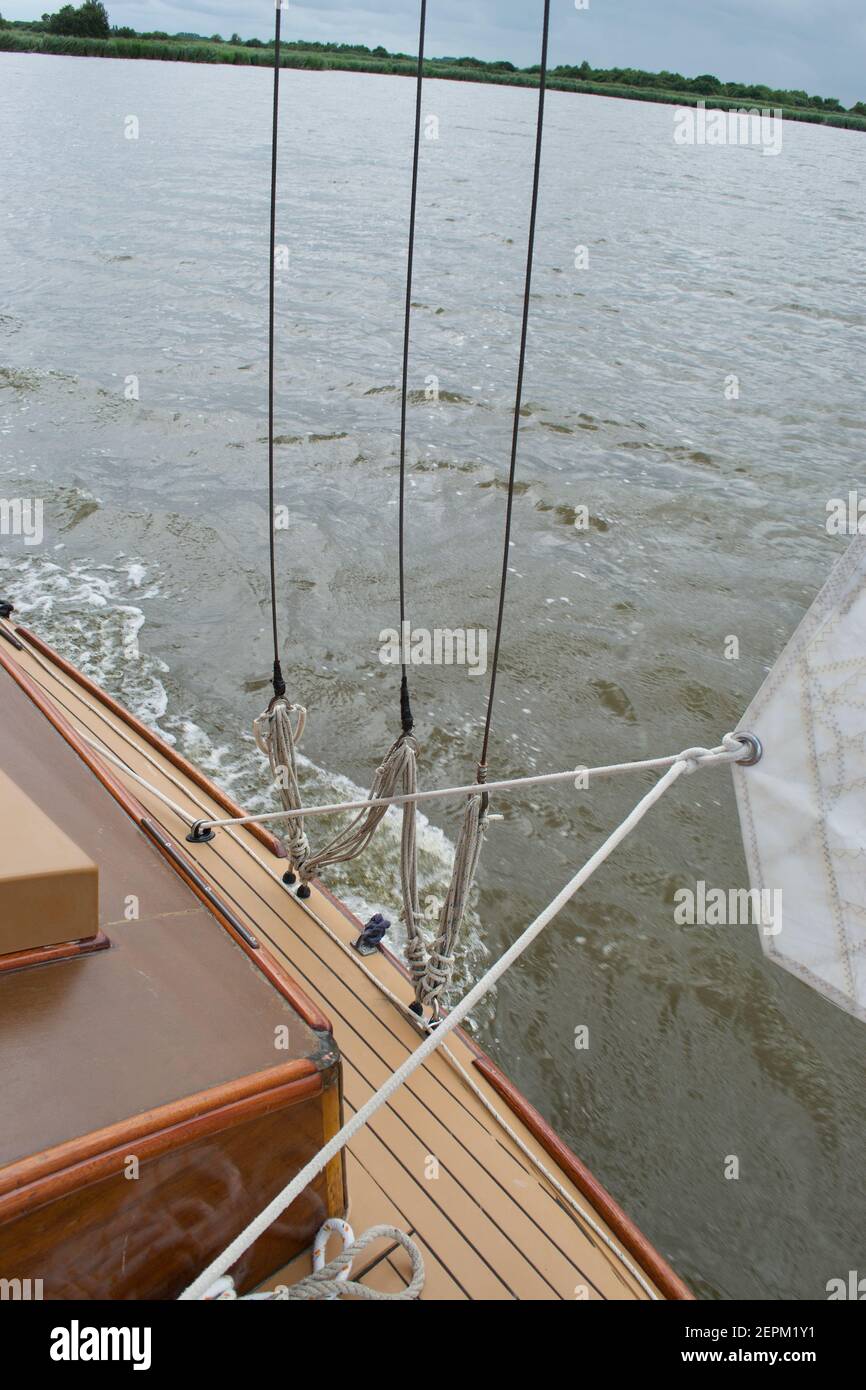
(94, 615)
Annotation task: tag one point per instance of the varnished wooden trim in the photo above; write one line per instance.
(64, 950)
(640, 1249)
(165, 750)
(648, 1258)
(289, 988)
(47, 707)
(666, 1280)
(335, 1171)
(54, 1173)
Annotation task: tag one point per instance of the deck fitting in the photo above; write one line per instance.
(367, 944)
(201, 834)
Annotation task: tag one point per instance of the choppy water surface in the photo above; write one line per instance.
(148, 258)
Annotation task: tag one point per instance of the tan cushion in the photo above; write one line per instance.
(49, 889)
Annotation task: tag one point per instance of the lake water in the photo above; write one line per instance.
(147, 258)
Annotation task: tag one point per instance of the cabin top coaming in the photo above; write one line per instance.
(173, 1007)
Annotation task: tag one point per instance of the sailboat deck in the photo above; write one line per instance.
(434, 1162)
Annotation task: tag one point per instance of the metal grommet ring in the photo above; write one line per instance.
(755, 749)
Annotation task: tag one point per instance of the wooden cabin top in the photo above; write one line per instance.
(173, 1006)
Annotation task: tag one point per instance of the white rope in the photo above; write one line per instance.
(730, 750)
(327, 1282)
(405, 1010)
(583, 1216)
(331, 1281)
(123, 734)
(344, 1136)
(731, 744)
(142, 781)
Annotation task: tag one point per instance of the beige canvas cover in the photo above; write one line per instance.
(49, 888)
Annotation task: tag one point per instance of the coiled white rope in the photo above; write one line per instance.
(431, 966)
(278, 739)
(731, 750)
(687, 762)
(331, 1281)
(432, 974)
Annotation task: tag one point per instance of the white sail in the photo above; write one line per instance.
(803, 806)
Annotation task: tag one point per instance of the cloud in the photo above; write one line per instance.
(783, 43)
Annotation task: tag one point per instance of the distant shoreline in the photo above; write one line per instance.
(198, 51)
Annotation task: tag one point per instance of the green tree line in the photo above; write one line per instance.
(90, 21)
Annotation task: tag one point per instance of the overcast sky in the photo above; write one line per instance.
(819, 45)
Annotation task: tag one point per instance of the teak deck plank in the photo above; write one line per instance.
(411, 1149)
(87, 711)
(371, 1205)
(490, 1226)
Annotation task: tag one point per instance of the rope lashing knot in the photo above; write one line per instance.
(693, 757)
(481, 778)
(278, 739)
(416, 958)
(745, 748)
(436, 979)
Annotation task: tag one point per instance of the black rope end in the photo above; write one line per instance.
(367, 944)
(288, 877)
(405, 707)
(304, 891)
(279, 683)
